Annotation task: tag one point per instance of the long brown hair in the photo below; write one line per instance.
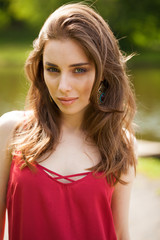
(109, 122)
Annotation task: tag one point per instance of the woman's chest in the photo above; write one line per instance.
(71, 157)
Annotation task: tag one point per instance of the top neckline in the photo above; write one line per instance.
(45, 170)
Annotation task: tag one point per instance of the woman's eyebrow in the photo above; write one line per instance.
(51, 64)
(79, 64)
(72, 65)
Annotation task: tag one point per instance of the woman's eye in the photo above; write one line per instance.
(52, 69)
(80, 70)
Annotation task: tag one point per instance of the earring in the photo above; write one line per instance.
(102, 90)
(101, 98)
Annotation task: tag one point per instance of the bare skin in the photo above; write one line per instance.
(72, 155)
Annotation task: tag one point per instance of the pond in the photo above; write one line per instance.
(13, 89)
(147, 88)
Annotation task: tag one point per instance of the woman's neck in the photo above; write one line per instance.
(72, 122)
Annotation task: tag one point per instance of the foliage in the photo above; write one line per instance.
(139, 21)
(136, 22)
(33, 12)
(4, 14)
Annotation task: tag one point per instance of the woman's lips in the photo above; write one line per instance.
(67, 101)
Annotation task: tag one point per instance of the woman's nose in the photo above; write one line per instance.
(64, 83)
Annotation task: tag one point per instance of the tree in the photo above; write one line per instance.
(34, 12)
(138, 21)
(5, 18)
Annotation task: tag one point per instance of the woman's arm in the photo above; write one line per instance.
(120, 205)
(7, 124)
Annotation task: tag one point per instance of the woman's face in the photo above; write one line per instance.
(68, 74)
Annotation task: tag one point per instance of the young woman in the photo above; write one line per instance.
(68, 162)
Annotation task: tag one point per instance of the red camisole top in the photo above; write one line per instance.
(40, 207)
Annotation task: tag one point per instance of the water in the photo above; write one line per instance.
(147, 88)
(13, 89)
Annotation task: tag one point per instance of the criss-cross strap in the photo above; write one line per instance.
(59, 176)
(67, 177)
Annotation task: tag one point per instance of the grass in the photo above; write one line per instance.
(149, 167)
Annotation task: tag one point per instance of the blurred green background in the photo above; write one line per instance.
(135, 23)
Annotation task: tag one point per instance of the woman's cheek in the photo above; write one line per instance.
(50, 83)
(89, 85)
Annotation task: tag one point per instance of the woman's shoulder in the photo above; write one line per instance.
(9, 120)
(12, 117)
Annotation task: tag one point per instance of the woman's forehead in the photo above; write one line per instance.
(64, 50)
